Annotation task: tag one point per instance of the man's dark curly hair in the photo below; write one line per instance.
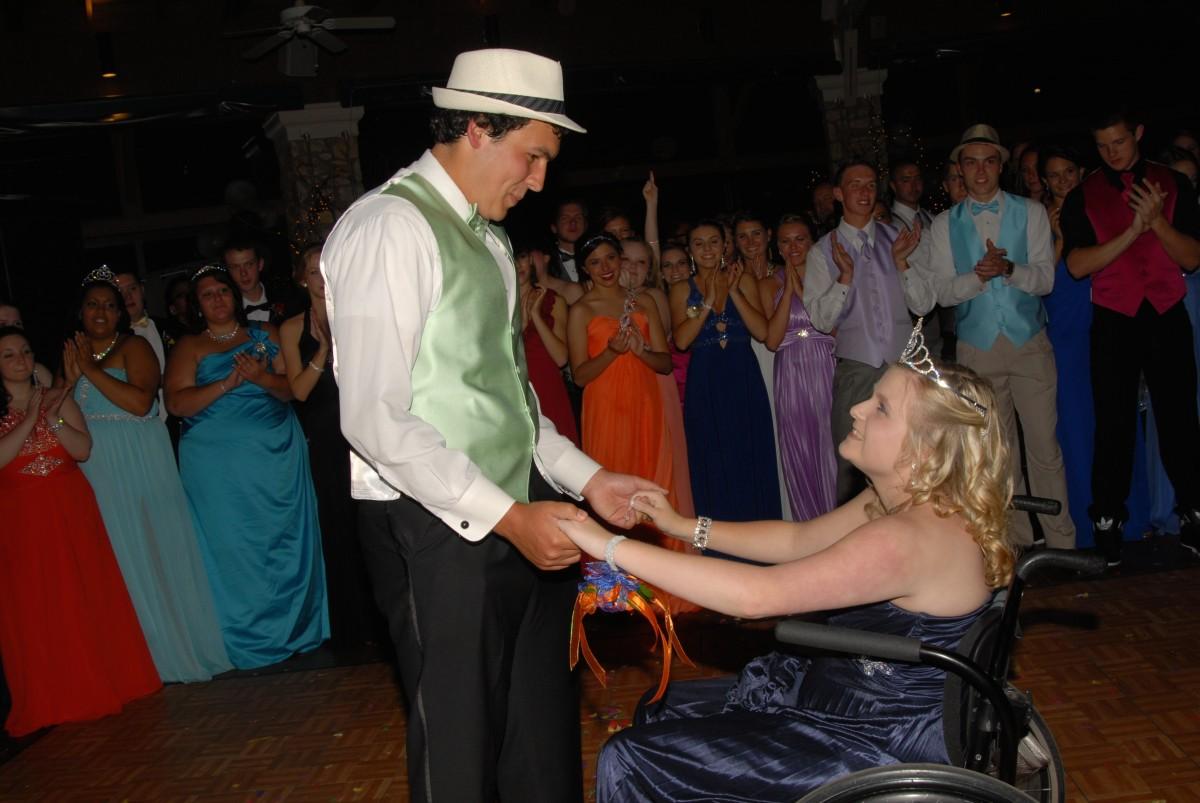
(447, 125)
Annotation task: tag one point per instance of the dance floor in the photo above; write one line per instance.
(1113, 664)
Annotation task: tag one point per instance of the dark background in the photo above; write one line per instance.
(716, 97)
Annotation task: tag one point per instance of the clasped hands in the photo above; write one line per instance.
(994, 263)
(534, 528)
(1146, 201)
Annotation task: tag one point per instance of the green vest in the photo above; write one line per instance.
(469, 379)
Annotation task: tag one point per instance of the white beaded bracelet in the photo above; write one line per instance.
(610, 550)
(700, 534)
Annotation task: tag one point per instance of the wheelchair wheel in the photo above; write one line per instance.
(913, 783)
(1039, 764)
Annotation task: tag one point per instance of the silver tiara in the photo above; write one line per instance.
(205, 269)
(916, 356)
(101, 274)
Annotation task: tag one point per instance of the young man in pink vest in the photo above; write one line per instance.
(463, 482)
(1131, 226)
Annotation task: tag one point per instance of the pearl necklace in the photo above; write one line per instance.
(225, 338)
(98, 357)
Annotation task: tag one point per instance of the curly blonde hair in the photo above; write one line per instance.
(961, 462)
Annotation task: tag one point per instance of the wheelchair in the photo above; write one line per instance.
(1000, 747)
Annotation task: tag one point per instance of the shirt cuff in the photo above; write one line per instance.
(478, 510)
(573, 470)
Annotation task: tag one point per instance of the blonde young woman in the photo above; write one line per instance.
(918, 554)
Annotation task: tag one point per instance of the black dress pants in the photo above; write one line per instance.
(481, 638)
(1123, 349)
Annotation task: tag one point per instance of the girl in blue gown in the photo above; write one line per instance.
(132, 471)
(244, 465)
(726, 414)
(917, 554)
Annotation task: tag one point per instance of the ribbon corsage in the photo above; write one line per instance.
(603, 589)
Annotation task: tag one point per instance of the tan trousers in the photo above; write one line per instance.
(1025, 381)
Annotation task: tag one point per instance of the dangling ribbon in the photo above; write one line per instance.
(611, 591)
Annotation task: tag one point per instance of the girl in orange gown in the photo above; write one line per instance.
(617, 348)
(73, 648)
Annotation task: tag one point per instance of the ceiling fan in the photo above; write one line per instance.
(301, 31)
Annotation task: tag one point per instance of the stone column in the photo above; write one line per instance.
(319, 169)
(854, 117)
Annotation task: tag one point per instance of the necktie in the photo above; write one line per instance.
(991, 206)
(263, 307)
(477, 222)
(864, 246)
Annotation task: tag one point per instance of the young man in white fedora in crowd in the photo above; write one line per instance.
(991, 258)
(463, 479)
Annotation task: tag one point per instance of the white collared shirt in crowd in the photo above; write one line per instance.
(260, 315)
(905, 215)
(935, 257)
(147, 329)
(384, 277)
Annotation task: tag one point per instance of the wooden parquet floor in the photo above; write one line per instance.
(1114, 666)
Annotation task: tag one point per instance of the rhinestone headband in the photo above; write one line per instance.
(916, 356)
(602, 237)
(205, 269)
(101, 274)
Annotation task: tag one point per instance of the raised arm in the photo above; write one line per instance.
(650, 193)
(777, 314)
(553, 334)
(302, 376)
(686, 327)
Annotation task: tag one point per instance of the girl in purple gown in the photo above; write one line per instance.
(803, 378)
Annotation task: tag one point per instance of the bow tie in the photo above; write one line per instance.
(263, 307)
(143, 323)
(478, 223)
(564, 256)
(991, 206)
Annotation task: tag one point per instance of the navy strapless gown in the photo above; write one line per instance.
(786, 725)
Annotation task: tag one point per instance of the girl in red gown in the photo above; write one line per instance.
(544, 331)
(72, 646)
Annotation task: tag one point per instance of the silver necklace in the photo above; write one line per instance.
(225, 338)
(108, 350)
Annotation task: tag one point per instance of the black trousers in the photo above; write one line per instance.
(481, 639)
(1123, 349)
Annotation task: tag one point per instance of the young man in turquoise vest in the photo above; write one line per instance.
(991, 257)
(1132, 226)
(463, 480)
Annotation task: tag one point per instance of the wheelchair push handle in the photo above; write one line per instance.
(1036, 504)
(846, 640)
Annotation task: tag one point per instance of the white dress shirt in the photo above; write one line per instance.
(148, 330)
(383, 277)
(905, 215)
(261, 315)
(825, 296)
(935, 257)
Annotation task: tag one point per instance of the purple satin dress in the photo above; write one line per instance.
(803, 402)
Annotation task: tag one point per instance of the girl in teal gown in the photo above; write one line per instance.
(132, 471)
(244, 464)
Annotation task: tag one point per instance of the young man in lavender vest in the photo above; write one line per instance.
(1131, 226)
(858, 282)
(464, 480)
(991, 257)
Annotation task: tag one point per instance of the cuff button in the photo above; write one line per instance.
(464, 525)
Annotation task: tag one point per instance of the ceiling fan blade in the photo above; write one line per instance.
(359, 23)
(327, 40)
(267, 45)
(253, 32)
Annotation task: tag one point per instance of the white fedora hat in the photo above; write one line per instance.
(980, 134)
(501, 81)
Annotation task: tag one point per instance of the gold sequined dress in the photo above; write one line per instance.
(71, 643)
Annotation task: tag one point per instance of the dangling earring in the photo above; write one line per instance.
(692, 262)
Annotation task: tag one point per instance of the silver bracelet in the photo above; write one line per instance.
(316, 367)
(700, 534)
(610, 551)
(56, 426)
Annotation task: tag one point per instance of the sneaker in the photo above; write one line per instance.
(1109, 535)
(1189, 531)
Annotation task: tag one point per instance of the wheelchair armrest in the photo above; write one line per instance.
(846, 640)
(1087, 564)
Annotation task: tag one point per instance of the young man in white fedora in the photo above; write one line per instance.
(991, 258)
(462, 479)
